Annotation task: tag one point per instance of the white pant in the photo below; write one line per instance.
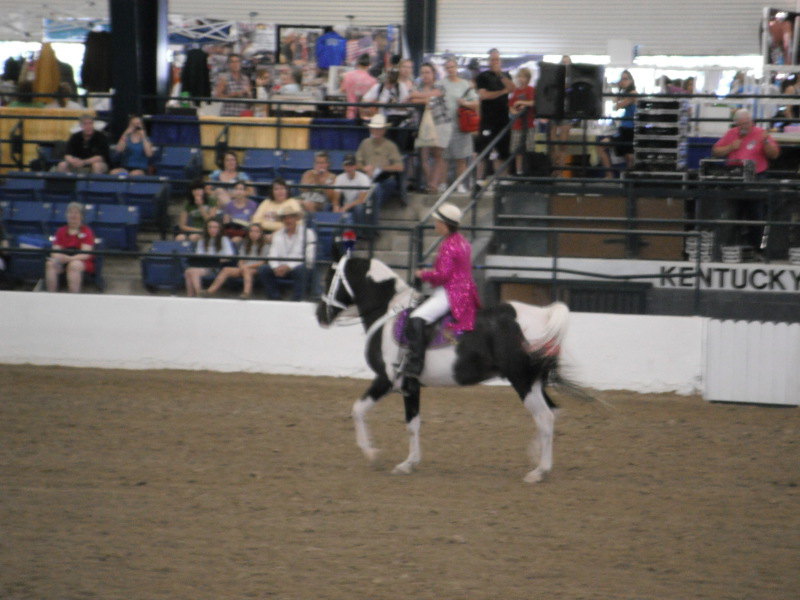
(433, 308)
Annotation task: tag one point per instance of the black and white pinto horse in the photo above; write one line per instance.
(517, 341)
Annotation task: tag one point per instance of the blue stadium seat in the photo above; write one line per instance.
(27, 267)
(165, 273)
(102, 189)
(326, 235)
(17, 186)
(151, 197)
(179, 162)
(59, 187)
(29, 217)
(117, 225)
(261, 164)
(295, 163)
(337, 158)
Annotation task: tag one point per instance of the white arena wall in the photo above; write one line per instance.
(602, 351)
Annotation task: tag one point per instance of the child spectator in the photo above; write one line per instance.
(252, 255)
(523, 132)
(238, 212)
(212, 242)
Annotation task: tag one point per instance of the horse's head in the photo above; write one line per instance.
(339, 294)
(367, 284)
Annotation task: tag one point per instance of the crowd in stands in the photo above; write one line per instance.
(267, 238)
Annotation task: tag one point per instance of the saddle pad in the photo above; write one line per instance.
(442, 334)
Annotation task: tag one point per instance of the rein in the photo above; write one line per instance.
(339, 278)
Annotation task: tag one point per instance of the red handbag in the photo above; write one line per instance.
(468, 119)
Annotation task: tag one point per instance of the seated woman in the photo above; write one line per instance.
(238, 212)
(135, 148)
(73, 239)
(252, 255)
(267, 212)
(212, 242)
(229, 173)
(198, 210)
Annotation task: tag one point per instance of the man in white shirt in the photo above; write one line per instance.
(291, 254)
(351, 199)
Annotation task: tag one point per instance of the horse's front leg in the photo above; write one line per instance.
(411, 401)
(544, 419)
(380, 387)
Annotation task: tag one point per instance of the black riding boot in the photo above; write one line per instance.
(415, 359)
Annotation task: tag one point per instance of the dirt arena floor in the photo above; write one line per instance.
(194, 485)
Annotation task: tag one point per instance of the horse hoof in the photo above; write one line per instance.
(534, 476)
(403, 469)
(372, 454)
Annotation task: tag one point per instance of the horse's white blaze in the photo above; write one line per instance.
(414, 451)
(360, 409)
(544, 419)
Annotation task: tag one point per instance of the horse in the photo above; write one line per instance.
(513, 340)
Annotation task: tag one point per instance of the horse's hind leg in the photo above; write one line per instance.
(411, 401)
(378, 389)
(536, 404)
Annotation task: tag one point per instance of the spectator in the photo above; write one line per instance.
(252, 255)
(74, 239)
(234, 84)
(3, 245)
(237, 214)
(523, 131)
(198, 210)
(458, 92)
(135, 148)
(406, 78)
(316, 199)
(290, 82)
(86, 151)
(351, 200)
(381, 160)
(356, 83)
(213, 242)
(229, 173)
(493, 87)
(262, 87)
(382, 60)
(291, 254)
(432, 157)
(390, 92)
(267, 212)
(623, 139)
(789, 113)
(747, 142)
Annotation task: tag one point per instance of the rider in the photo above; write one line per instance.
(455, 291)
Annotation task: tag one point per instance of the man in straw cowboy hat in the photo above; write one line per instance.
(455, 290)
(290, 255)
(381, 160)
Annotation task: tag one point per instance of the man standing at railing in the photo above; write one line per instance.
(234, 84)
(744, 141)
(493, 88)
(747, 142)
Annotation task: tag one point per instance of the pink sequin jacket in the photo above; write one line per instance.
(453, 270)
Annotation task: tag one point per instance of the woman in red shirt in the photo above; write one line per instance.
(74, 239)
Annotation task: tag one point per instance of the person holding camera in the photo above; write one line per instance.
(134, 148)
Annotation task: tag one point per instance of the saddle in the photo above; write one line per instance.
(440, 333)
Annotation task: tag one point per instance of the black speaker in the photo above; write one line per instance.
(584, 92)
(550, 91)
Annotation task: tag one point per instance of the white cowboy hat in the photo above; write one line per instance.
(290, 207)
(377, 122)
(448, 213)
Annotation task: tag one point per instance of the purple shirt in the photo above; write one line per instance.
(240, 214)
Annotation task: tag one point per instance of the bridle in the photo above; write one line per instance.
(339, 279)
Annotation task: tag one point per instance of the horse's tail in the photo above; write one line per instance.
(556, 327)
